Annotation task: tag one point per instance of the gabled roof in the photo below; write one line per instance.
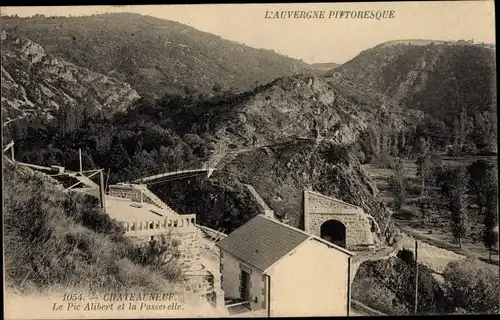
(262, 241)
(333, 199)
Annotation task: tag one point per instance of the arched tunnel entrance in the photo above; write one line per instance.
(334, 231)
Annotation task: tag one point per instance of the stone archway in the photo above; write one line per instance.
(334, 231)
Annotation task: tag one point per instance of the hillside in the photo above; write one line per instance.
(54, 239)
(279, 173)
(272, 130)
(437, 77)
(43, 85)
(155, 56)
(284, 115)
(297, 106)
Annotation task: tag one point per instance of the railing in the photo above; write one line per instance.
(213, 234)
(362, 307)
(154, 227)
(197, 166)
(134, 192)
(264, 207)
(153, 197)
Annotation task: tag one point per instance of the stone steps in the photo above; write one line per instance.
(266, 210)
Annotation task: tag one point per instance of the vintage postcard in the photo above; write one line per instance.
(249, 160)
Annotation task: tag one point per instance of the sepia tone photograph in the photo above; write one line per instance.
(249, 160)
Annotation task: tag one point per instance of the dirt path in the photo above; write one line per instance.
(380, 253)
(433, 257)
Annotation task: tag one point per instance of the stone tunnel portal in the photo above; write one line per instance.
(334, 231)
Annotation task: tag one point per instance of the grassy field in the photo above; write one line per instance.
(433, 228)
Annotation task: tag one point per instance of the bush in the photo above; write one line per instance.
(396, 275)
(378, 297)
(46, 244)
(337, 154)
(84, 209)
(384, 161)
(472, 287)
(160, 255)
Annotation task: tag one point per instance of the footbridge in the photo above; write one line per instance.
(165, 173)
(203, 166)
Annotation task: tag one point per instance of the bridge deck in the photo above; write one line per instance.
(180, 172)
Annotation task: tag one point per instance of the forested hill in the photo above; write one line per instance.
(441, 78)
(154, 55)
(284, 115)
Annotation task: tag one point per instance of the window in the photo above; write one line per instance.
(151, 225)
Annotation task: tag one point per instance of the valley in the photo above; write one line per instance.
(215, 133)
(431, 227)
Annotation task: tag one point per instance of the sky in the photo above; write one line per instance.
(314, 40)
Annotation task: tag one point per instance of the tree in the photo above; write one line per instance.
(453, 188)
(472, 287)
(398, 186)
(457, 203)
(482, 179)
(461, 130)
(433, 130)
(424, 205)
(490, 235)
(119, 157)
(423, 162)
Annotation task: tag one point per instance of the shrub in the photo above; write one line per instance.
(337, 154)
(160, 255)
(384, 161)
(378, 297)
(472, 287)
(397, 275)
(46, 244)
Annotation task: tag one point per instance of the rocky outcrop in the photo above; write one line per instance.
(280, 177)
(270, 140)
(434, 76)
(34, 82)
(306, 107)
(155, 56)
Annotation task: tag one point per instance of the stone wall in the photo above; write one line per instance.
(358, 228)
(182, 230)
(189, 249)
(143, 228)
(319, 208)
(126, 192)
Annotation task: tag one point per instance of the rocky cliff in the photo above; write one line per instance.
(434, 76)
(37, 83)
(305, 107)
(269, 139)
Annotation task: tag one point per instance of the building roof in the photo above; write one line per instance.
(123, 209)
(333, 199)
(262, 241)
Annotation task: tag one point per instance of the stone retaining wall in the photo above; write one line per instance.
(319, 209)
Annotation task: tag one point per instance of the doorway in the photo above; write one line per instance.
(245, 285)
(335, 232)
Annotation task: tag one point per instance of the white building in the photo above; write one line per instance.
(277, 270)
